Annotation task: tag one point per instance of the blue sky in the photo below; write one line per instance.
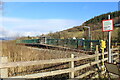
(34, 18)
(58, 10)
(60, 0)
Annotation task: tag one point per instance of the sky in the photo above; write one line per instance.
(35, 18)
(60, 0)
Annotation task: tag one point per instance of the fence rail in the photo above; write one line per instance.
(52, 61)
(4, 65)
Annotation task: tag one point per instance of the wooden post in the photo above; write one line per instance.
(3, 72)
(97, 55)
(112, 58)
(118, 55)
(97, 58)
(103, 59)
(72, 67)
(96, 52)
(0, 48)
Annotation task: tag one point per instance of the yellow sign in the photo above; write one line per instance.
(103, 44)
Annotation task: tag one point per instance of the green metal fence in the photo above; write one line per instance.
(29, 41)
(70, 43)
(75, 43)
(91, 44)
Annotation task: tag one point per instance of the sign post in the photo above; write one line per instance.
(108, 26)
(109, 45)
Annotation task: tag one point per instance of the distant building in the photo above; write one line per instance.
(117, 25)
(74, 37)
(44, 39)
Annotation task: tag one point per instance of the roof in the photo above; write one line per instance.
(117, 25)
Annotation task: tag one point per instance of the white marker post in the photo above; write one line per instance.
(108, 26)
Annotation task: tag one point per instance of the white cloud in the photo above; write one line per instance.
(33, 27)
(30, 33)
(7, 33)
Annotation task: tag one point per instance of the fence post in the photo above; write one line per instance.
(112, 58)
(118, 55)
(97, 56)
(103, 59)
(4, 71)
(72, 66)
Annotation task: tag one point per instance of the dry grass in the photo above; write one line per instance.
(22, 53)
(98, 34)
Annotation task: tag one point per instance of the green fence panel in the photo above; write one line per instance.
(29, 41)
(70, 43)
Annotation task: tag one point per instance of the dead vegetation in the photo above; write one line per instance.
(17, 53)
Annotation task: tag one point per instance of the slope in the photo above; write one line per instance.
(95, 26)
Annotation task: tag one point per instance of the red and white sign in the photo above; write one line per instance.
(107, 25)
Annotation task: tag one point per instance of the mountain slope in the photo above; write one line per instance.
(95, 25)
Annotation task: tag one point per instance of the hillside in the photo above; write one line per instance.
(95, 25)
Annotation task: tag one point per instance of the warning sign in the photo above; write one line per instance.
(107, 25)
